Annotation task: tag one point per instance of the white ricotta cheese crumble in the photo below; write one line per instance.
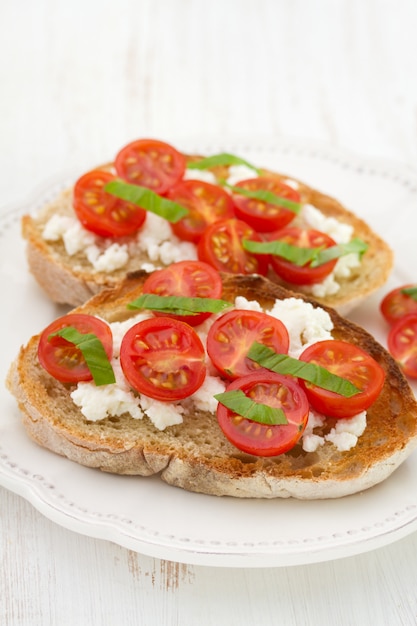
(107, 258)
(311, 217)
(204, 175)
(237, 173)
(305, 325)
(97, 403)
(344, 435)
(157, 241)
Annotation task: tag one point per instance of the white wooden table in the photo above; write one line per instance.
(80, 79)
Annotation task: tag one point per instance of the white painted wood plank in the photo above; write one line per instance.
(80, 79)
(51, 575)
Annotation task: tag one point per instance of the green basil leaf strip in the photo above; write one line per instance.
(264, 195)
(315, 374)
(410, 291)
(224, 158)
(147, 199)
(289, 252)
(93, 352)
(238, 402)
(302, 256)
(179, 305)
(335, 252)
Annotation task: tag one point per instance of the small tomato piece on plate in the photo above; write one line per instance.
(402, 343)
(302, 238)
(206, 203)
(273, 390)
(61, 358)
(150, 163)
(101, 212)
(231, 336)
(163, 358)
(264, 216)
(350, 362)
(221, 246)
(193, 279)
(397, 304)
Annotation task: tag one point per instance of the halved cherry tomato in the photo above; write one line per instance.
(397, 304)
(231, 336)
(347, 361)
(402, 343)
(193, 279)
(150, 163)
(264, 439)
(102, 213)
(221, 246)
(61, 358)
(305, 274)
(262, 216)
(206, 204)
(163, 359)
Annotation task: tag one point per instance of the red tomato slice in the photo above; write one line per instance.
(402, 343)
(61, 358)
(350, 362)
(263, 216)
(163, 358)
(397, 304)
(265, 439)
(102, 213)
(221, 246)
(302, 275)
(150, 163)
(206, 204)
(192, 279)
(231, 336)
(303, 238)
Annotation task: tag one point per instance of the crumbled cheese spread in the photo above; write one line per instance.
(70, 230)
(344, 435)
(203, 398)
(97, 403)
(311, 217)
(113, 258)
(346, 432)
(119, 329)
(156, 239)
(160, 244)
(161, 414)
(204, 175)
(305, 324)
(161, 247)
(237, 173)
(77, 239)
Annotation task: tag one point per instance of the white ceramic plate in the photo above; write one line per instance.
(146, 515)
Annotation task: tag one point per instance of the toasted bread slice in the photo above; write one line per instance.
(195, 455)
(72, 279)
